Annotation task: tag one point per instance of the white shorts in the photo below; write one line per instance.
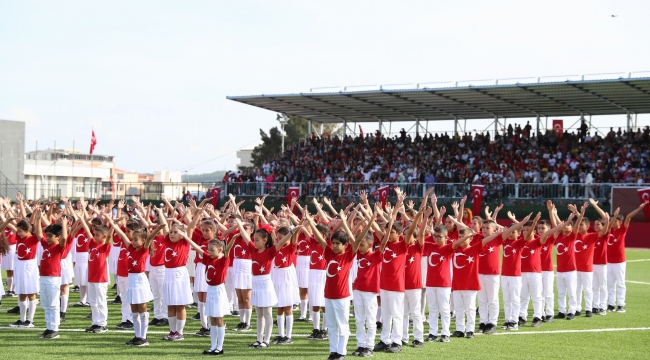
(242, 274)
(199, 279)
(285, 284)
(81, 269)
(26, 277)
(216, 302)
(139, 291)
(191, 269)
(263, 294)
(302, 271)
(424, 265)
(316, 292)
(113, 257)
(176, 287)
(9, 258)
(66, 272)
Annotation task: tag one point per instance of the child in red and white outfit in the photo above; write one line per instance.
(317, 276)
(489, 280)
(9, 258)
(548, 268)
(285, 283)
(157, 273)
(55, 248)
(99, 248)
(531, 276)
(26, 275)
(600, 264)
(242, 275)
(207, 232)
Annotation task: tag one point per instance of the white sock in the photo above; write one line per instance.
(22, 305)
(315, 317)
(137, 328)
(303, 308)
(64, 303)
(379, 313)
(213, 337)
(144, 325)
(180, 324)
(194, 296)
(324, 321)
(83, 294)
(248, 313)
(10, 283)
(289, 326)
(242, 315)
(268, 323)
(204, 319)
(260, 323)
(221, 334)
(32, 310)
(281, 325)
(172, 323)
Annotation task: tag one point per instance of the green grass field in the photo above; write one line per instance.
(615, 336)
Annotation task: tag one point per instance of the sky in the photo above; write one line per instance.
(151, 77)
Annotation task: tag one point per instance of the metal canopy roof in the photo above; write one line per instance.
(568, 98)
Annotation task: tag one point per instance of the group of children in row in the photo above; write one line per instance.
(387, 267)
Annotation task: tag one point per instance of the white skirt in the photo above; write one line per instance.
(302, 271)
(263, 294)
(316, 287)
(26, 277)
(216, 302)
(66, 272)
(424, 265)
(9, 258)
(285, 284)
(81, 269)
(39, 254)
(139, 291)
(242, 274)
(113, 257)
(176, 287)
(190, 263)
(200, 285)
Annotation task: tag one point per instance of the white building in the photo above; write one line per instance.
(245, 156)
(59, 172)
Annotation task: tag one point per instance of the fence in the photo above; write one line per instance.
(505, 192)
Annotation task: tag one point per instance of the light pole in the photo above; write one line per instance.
(283, 120)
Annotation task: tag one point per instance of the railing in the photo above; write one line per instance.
(504, 192)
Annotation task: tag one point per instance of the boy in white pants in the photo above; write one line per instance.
(438, 253)
(531, 275)
(98, 250)
(366, 289)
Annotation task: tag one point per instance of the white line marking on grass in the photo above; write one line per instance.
(637, 282)
(251, 334)
(637, 260)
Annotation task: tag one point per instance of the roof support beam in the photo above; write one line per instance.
(341, 106)
(505, 101)
(462, 103)
(382, 106)
(306, 108)
(598, 97)
(525, 88)
(423, 104)
(627, 83)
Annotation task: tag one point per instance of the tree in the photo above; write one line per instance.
(295, 130)
(270, 147)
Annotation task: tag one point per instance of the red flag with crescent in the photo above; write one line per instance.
(383, 195)
(558, 126)
(93, 142)
(294, 192)
(644, 195)
(477, 195)
(215, 193)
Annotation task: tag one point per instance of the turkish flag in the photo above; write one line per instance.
(294, 192)
(644, 195)
(383, 195)
(93, 142)
(477, 195)
(215, 193)
(558, 126)
(361, 131)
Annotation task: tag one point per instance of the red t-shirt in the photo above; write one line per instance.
(465, 262)
(123, 261)
(413, 270)
(368, 267)
(317, 255)
(117, 239)
(241, 249)
(566, 260)
(393, 266)
(511, 265)
(438, 270)
(81, 241)
(136, 259)
(51, 258)
(338, 273)
(175, 254)
(584, 251)
(600, 249)
(26, 247)
(262, 261)
(546, 255)
(215, 269)
(10, 236)
(158, 258)
(286, 256)
(616, 246)
(489, 263)
(530, 256)
(232, 252)
(303, 245)
(97, 255)
(202, 243)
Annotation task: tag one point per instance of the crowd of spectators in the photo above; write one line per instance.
(514, 156)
